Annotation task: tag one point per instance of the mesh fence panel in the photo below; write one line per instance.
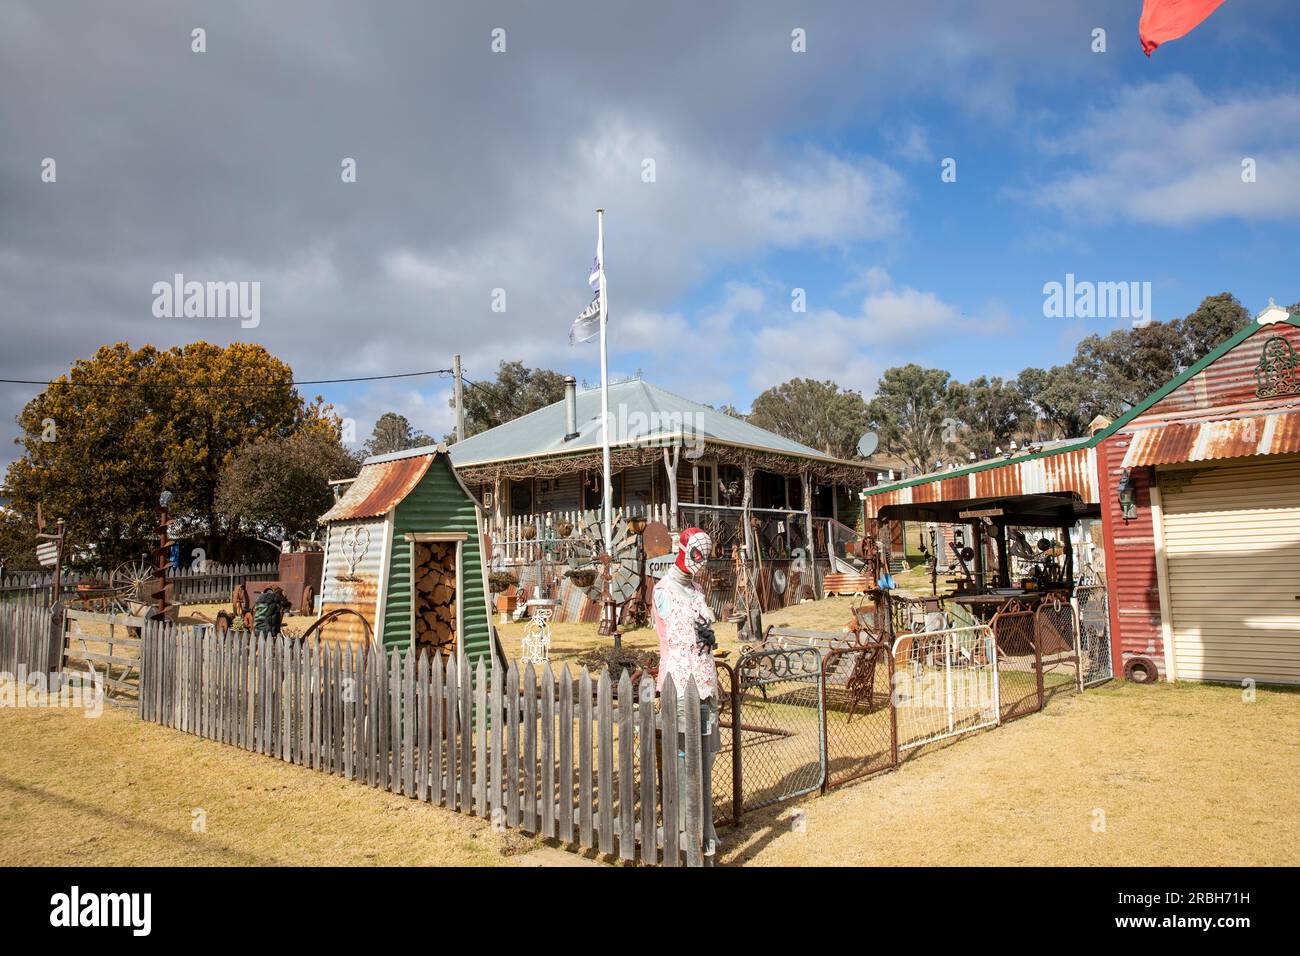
(860, 728)
(781, 730)
(724, 766)
(944, 684)
(1019, 690)
(1094, 634)
(1057, 652)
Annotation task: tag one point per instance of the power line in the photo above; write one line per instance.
(309, 381)
(499, 396)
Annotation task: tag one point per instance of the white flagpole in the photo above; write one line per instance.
(604, 381)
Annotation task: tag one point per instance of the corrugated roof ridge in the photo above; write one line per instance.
(808, 449)
(1193, 370)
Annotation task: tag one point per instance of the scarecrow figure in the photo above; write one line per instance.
(683, 620)
(268, 610)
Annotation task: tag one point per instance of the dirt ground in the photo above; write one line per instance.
(114, 791)
(1120, 775)
(1164, 775)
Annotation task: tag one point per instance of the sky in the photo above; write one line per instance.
(739, 176)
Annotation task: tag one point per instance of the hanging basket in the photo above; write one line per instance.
(582, 577)
(500, 581)
(564, 529)
(528, 532)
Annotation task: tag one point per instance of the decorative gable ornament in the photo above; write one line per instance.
(1278, 371)
(1273, 314)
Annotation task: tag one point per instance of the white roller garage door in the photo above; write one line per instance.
(1232, 540)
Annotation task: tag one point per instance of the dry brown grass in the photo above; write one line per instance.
(569, 640)
(118, 792)
(1184, 774)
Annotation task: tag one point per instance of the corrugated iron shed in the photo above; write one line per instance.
(1273, 434)
(1069, 469)
(378, 489)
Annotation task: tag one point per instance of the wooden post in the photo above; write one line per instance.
(1004, 568)
(806, 477)
(671, 457)
(746, 504)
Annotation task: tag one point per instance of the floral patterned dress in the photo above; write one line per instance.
(676, 605)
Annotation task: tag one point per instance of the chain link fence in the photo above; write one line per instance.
(1020, 689)
(861, 730)
(1058, 657)
(777, 725)
(1094, 634)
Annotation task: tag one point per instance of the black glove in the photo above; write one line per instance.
(705, 639)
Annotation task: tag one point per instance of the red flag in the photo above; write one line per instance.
(1165, 20)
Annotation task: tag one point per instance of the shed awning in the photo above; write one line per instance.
(1070, 470)
(378, 489)
(1277, 433)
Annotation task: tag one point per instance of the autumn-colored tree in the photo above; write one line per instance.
(103, 441)
(279, 488)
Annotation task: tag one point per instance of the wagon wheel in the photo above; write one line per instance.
(308, 599)
(239, 600)
(131, 576)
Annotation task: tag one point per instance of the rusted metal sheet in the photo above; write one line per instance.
(1130, 551)
(1277, 433)
(1073, 470)
(379, 488)
(1226, 386)
(353, 563)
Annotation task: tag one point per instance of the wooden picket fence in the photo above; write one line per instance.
(29, 641)
(578, 761)
(212, 584)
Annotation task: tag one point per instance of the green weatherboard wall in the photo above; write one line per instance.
(438, 504)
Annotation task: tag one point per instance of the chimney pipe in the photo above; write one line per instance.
(570, 407)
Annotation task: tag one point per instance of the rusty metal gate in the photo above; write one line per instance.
(776, 726)
(1020, 688)
(1058, 649)
(860, 721)
(1094, 633)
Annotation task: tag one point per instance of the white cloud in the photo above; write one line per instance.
(1168, 154)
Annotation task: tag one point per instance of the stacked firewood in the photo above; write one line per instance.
(435, 595)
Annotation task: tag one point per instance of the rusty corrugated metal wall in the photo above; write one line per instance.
(1130, 550)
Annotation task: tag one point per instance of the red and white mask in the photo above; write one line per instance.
(693, 551)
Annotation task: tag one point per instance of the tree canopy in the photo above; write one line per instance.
(517, 390)
(393, 432)
(910, 411)
(103, 441)
(279, 488)
(819, 414)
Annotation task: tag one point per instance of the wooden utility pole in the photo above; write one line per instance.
(460, 398)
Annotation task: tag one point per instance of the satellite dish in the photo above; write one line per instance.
(867, 444)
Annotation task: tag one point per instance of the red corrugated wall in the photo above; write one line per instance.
(1130, 562)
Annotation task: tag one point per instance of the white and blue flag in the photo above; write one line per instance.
(587, 325)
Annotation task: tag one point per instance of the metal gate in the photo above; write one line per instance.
(777, 726)
(1094, 634)
(1055, 633)
(945, 683)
